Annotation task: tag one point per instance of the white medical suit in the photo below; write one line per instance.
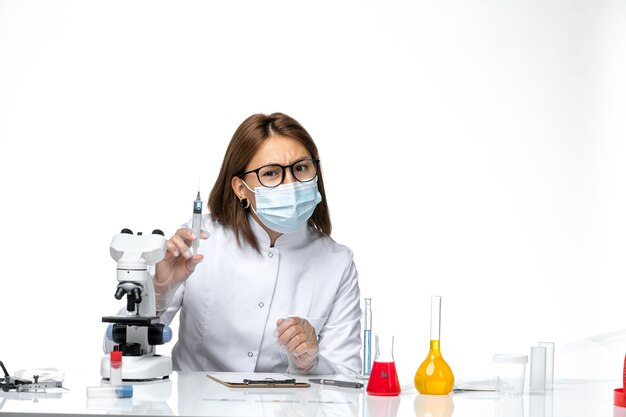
(230, 304)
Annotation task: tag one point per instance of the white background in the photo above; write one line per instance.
(472, 149)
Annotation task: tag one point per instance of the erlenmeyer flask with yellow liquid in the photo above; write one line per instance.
(434, 375)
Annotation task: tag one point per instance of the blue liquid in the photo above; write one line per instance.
(367, 352)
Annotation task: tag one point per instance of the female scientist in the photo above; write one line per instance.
(269, 290)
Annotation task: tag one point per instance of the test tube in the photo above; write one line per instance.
(115, 374)
(549, 363)
(120, 391)
(537, 369)
(367, 338)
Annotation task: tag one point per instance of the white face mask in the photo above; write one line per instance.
(287, 207)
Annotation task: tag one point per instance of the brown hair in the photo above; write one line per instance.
(224, 204)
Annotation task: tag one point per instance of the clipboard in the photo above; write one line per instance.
(277, 381)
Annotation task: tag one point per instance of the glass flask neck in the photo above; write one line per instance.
(384, 349)
(434, 345)
(435, 318)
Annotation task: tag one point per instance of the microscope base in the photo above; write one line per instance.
(139, 368)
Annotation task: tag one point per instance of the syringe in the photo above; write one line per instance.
(367, 338)
(196, 223)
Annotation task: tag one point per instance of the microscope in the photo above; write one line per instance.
(137, 333)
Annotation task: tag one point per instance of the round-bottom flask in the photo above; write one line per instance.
(434, 375)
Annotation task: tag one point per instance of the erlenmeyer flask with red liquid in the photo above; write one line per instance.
(384, 377)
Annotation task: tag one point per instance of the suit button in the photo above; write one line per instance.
(261, 304)
(250, 354)
(270, 255)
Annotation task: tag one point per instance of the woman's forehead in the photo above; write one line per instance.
(279, 150)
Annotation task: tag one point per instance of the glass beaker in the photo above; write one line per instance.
(384, 377)
(434, 375)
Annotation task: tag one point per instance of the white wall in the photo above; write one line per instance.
(471, 149)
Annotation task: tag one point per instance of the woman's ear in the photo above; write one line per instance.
(238, 187)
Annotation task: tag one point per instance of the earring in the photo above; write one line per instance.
(244, 203)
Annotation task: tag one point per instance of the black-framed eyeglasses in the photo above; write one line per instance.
(273, 175)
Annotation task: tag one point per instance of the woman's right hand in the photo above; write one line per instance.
(178, 263)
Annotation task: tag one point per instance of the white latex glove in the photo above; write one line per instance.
(298, 339)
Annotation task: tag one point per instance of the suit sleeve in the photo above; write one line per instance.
(340, 338)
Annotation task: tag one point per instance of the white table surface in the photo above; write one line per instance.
(192, 393)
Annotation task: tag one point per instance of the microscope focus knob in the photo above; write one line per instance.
(159, 334)
(158, 232)
(167, 334)
(116, 333)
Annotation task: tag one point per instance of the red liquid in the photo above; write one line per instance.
(383, 379)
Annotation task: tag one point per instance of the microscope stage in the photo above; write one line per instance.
(131, 320)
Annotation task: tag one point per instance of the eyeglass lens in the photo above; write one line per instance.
(272, 175)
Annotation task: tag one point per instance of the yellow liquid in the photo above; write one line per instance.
(434, 375)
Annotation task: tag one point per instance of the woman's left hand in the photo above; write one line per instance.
(298, 338)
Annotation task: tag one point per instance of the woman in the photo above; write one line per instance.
(269, 290)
